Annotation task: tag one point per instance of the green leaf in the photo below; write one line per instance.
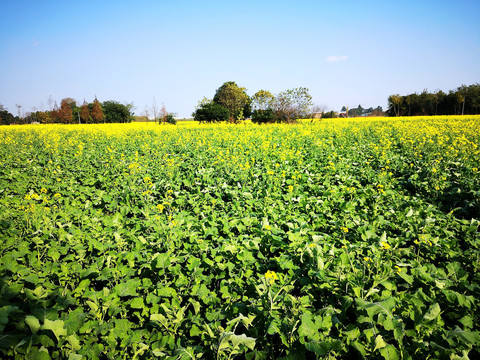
(379, 343)
(466, 321)
(128, 288)
(308, 328)
(33, 279)
(274, 327)
(322, 348)
(38, 354)
(159, 318)
(137, 303)
(243, 340)
(5, 311)
(57, 327)
(195, 330)
(467, 337)
(161, 260)
(33, 323)
(236, 340)
(92, 305)
(10, 340)
(389, 353)
(73, 356)
(372, 309)
(432, 312)
(74, 342)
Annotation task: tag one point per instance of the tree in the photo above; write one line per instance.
(6, 118)
(203, 102)
(131, 107)
(85, 113)
(55, 113)
(474, 98)
(19, 111)
(292, 104)
(329, 115)
(463, 100)
(263, 116)
(211, 112)
(44, 117)
(233, 98)
(96, 113)
(65, 114)
(247, 109)
(163, 114)
(262, 100)
(114, 112)
(170, 119)
(394, 102)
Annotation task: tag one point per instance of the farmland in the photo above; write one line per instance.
(336, 239)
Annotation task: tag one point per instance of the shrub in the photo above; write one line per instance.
(263, 116)
(211, 112)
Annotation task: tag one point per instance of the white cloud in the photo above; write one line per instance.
(336, 58)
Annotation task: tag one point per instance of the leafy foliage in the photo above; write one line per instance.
(341, 239)
(114, 112)
(263, 116)
(211, 112)
(463, 100)
(233, 98)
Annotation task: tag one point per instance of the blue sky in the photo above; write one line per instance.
(178, 51)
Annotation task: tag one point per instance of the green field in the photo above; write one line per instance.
(338, 239)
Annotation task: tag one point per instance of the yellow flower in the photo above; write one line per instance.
(43, 191)
(367, 259)
(385, 245)
(344, 229)
(160, 207)
(57, 195)
(312, 245)
(267, 227)
(271, 276)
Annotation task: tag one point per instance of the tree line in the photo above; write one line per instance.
(231, 103)
(69, 112)
(465, 100)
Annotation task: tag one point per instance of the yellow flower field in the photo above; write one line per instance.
(347, 238)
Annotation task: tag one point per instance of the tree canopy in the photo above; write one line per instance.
(233, 98)
(211, 112)
(463, 100)
(115, 112)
